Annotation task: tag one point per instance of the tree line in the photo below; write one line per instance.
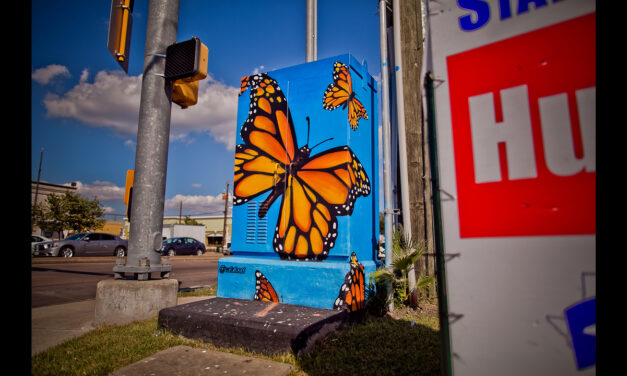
(69, 211)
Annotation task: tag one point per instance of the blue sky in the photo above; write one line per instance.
(84, 108)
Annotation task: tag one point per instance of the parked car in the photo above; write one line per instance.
(226, 250)
(35, 240)
(182, 246)
(84, 244)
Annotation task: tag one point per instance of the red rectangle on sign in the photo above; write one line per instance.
(524, 133)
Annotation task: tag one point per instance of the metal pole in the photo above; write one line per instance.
(402, 139)
(152, 146)
(226, 207)
(310, 32)
(41, 157)
(315, 30)
(387, 153)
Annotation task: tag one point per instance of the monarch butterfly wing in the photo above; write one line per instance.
(254, 173)
(358, 289)
(244, 85)
(337, 177)
(264, 290)
(269, 140)
(269, 125)
(338, 92)
(352, 292)
(356, 111)
(306, 228)
(326, 186)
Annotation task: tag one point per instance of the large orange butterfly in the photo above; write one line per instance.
(352, 294)
(314, 189)
(263, 289)
(340, 92)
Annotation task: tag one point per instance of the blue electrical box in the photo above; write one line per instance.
(305, 208)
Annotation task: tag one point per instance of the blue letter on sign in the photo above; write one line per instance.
(483, 14)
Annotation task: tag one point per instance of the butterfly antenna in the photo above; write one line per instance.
(328, 139)
(307, 118)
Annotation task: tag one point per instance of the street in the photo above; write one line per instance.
(58, 281)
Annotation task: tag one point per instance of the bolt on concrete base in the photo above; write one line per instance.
(120, 302)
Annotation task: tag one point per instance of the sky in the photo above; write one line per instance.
(85, 108)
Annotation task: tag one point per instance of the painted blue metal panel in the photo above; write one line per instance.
(320, 131)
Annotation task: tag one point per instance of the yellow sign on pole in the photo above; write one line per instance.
(130, 175)
(120, 25)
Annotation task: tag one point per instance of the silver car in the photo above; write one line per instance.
(84, 244)
(35, 240)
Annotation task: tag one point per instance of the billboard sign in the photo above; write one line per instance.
(515, 115)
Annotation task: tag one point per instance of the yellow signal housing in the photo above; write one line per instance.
(185, 93)
(203, 61)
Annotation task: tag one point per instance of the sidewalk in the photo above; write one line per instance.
(52, 325)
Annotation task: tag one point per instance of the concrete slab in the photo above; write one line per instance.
(120, 301)
(263, 327)
(185, 360)
(52, 325)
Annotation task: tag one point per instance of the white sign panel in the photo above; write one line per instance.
(515, 94)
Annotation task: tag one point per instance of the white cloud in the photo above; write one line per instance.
(258, 69)
(102, 190)
(112, 101)
(195, 205)
(84, 75)
(45, 75)
(130, 144)
(215, 112)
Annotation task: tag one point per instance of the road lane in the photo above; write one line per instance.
(58, 280)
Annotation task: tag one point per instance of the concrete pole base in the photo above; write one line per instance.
(120, 302)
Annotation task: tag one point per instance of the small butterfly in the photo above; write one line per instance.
(352, 293)
(263, 289)
(314, 189)
(340, 92)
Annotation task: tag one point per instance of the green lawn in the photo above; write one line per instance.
(407, 344)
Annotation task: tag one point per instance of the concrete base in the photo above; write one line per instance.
(119, 301)
(185, 360)
(263, 327)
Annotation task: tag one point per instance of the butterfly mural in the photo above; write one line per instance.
(352, 293)
(263, 289)
(314, 189)
(340, 93)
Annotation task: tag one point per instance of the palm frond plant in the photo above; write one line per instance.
(404, 256)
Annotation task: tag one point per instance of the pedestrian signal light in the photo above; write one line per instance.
(186, 60)
(185, 93)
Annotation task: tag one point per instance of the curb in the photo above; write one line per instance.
(76, 260)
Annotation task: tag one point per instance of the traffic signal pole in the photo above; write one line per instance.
(152, 147)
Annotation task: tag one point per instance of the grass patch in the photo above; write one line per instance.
(407, 345)
(389, 345)
(205, 291)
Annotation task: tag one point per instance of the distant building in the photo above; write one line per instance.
(214, 226)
